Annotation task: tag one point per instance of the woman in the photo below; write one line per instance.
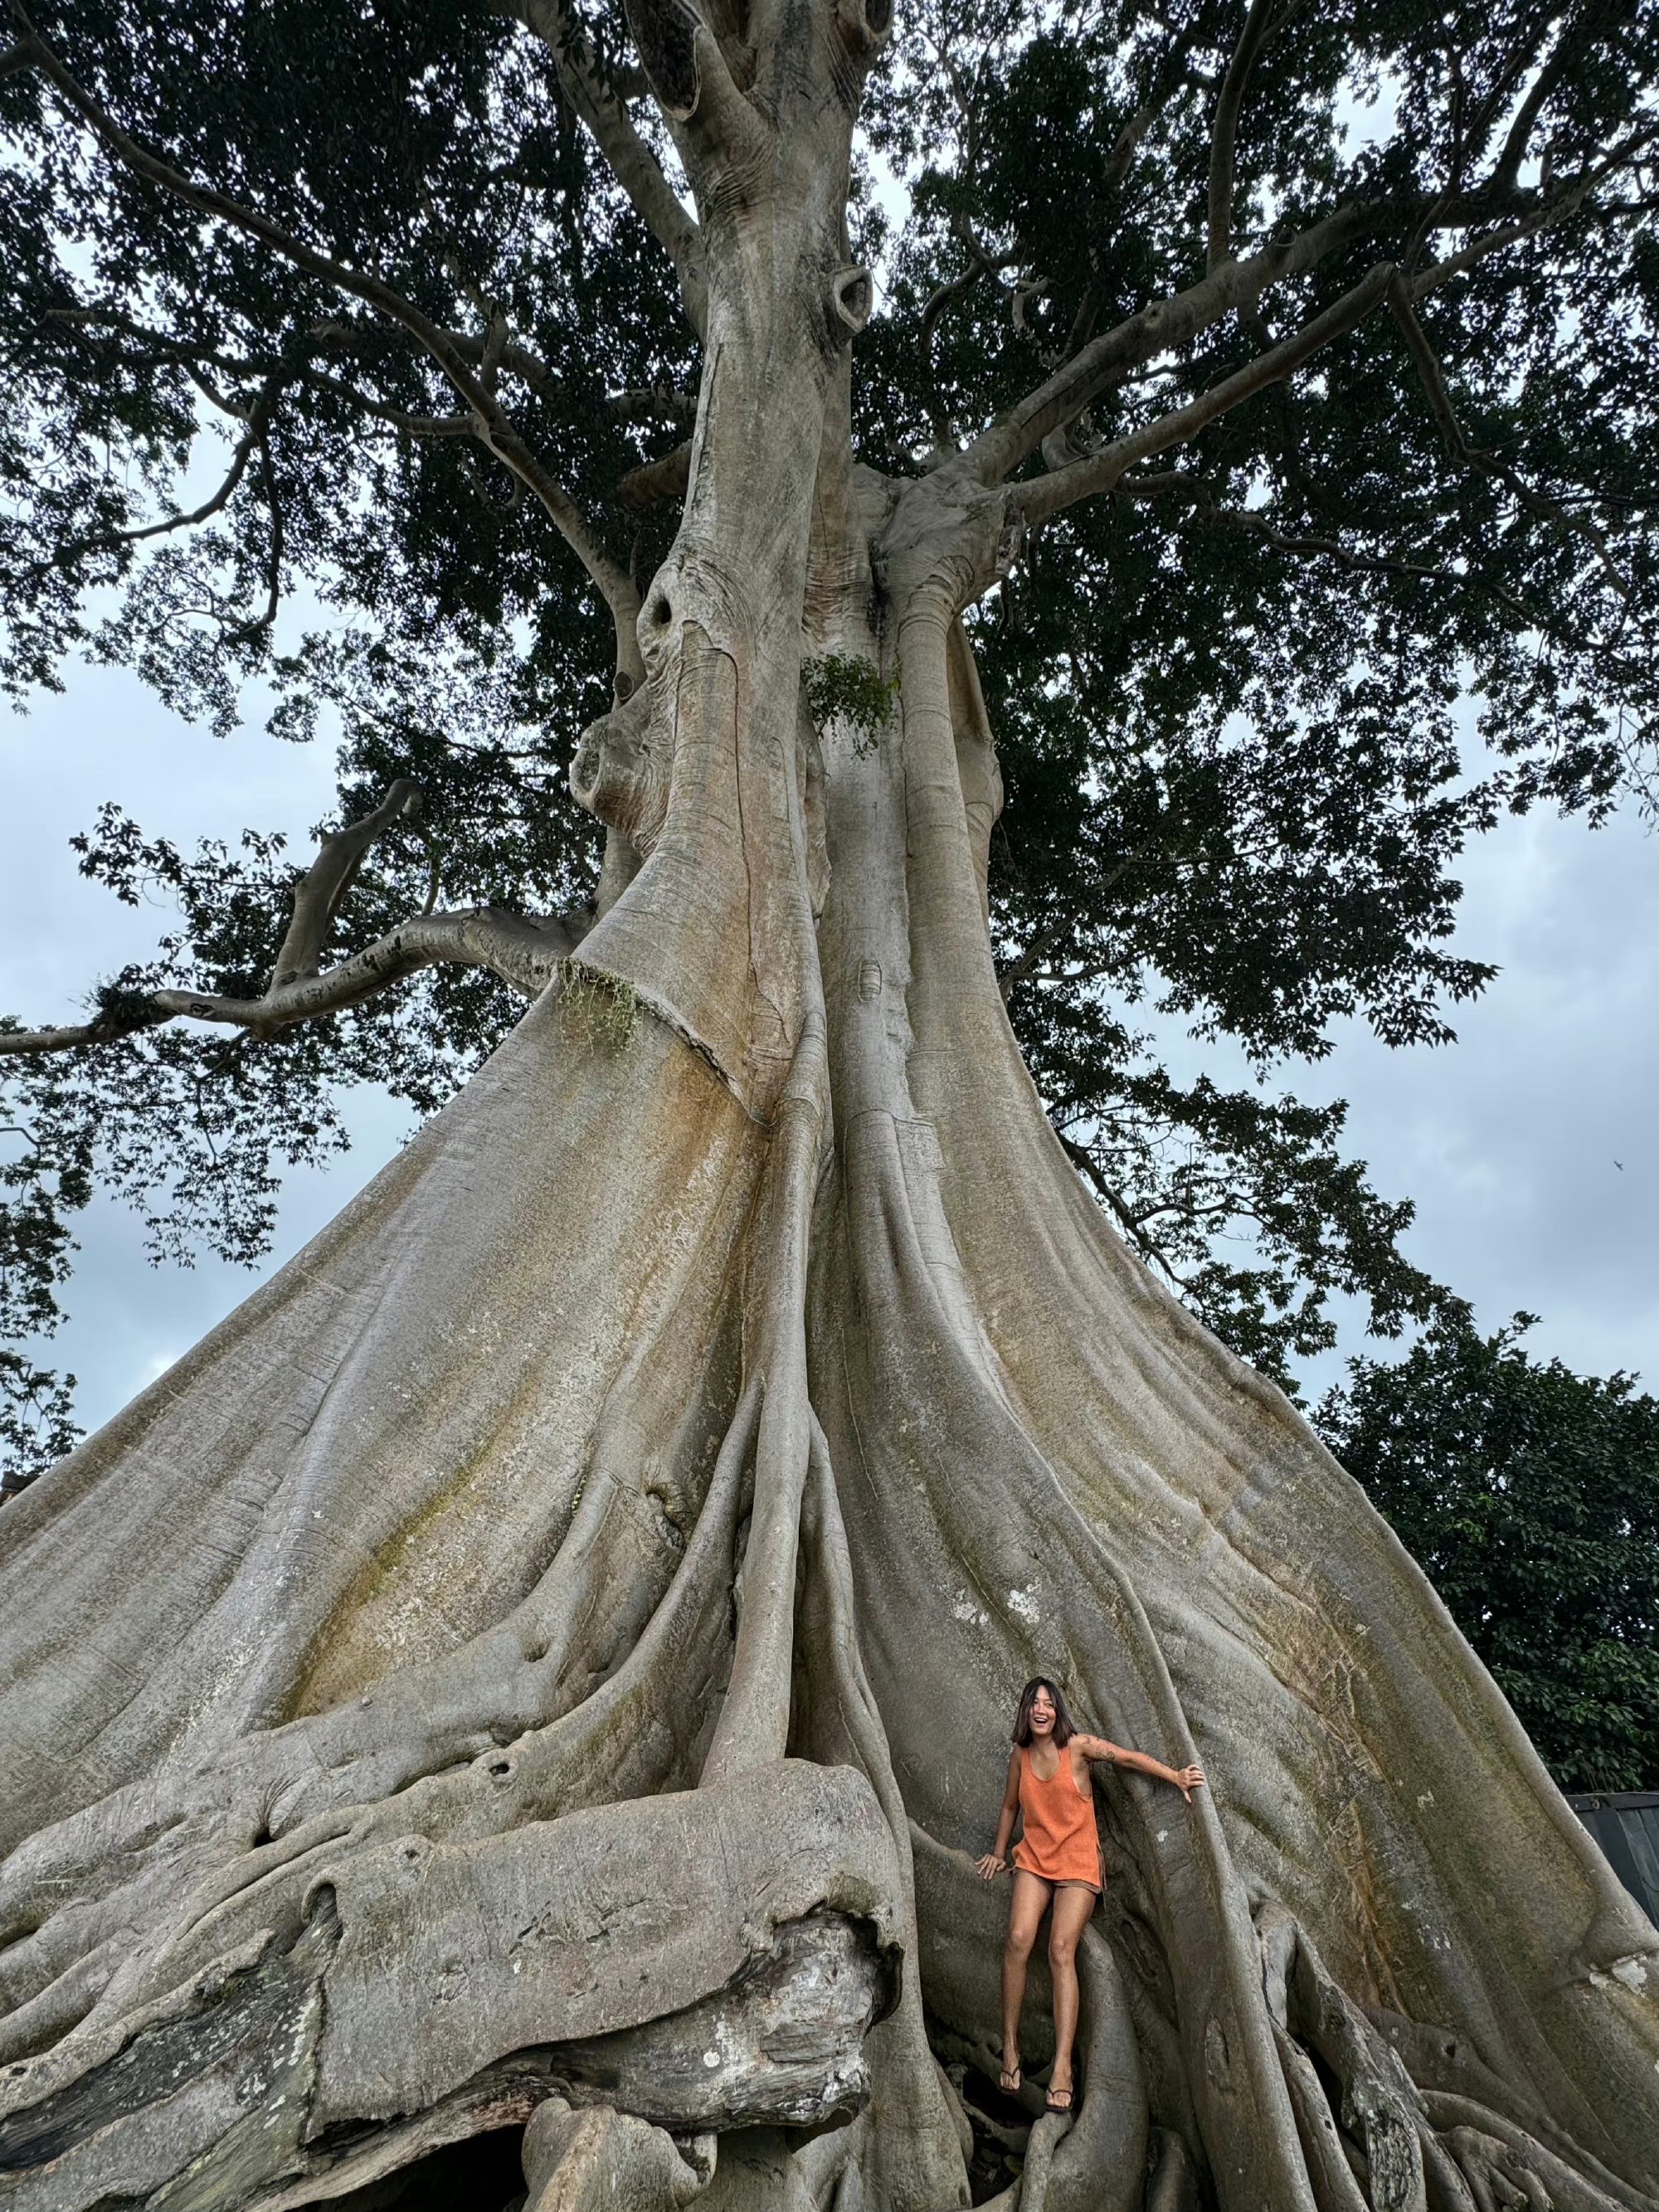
(1058, 1859)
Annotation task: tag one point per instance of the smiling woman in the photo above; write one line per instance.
(1058, 1862)
(529, 1645)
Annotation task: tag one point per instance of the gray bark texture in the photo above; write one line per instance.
(544, 1663)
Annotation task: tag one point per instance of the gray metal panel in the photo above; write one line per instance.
(1625, 1823)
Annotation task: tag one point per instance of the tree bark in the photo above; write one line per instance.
(546, 1660)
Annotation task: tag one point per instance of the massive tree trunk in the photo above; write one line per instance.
(544, 1663)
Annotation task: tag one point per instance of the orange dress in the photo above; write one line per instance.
(1060, 1842)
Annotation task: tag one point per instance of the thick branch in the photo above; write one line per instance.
(632, 162)
(331, 875)
(1101, 472)
(1224, 134)
(1520, 132)
(1163, 325)
(657, 481)
(1157, 327)
(522, 952)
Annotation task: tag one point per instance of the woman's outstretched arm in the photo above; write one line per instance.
(995, 1861)
(1186, 1779)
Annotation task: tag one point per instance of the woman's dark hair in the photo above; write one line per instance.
(1065, 1730)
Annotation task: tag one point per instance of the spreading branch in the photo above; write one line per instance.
(492, 425)
(1172, 76)
(523, 951)
(1183, 484)
(1175, 321)
(632, 162)
(330, 876)
(254, 439)
(1161, 325)
(1101, 472)
(1525, 116)
(655, 483)
(1223, 136)
(1459, 449)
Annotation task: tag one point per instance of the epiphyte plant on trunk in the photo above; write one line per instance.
(582, 1596)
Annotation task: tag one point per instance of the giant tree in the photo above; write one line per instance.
(541, 1662)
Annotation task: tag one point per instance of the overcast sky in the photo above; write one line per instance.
(1529, 1145)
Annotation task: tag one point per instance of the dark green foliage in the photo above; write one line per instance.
(1224, 695)
(45, 1177)
(1529, 1496)
(840, 687)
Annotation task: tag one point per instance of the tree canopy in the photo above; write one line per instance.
(1529, 1496)
(354, 350)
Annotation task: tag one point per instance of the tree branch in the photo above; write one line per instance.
(1111, 358)
(1170, 75)
(522, 950)
(330, 876)
(1148, 1246)
(1160, 325)
(253, 439)
(506, 351)
(252, 628)
(400, 418)
(632, 162)
(523, 953)
(1544, 216)
(494, 427)
(1458, 447)
(1100, 471)
(1520, 132)
(1178, 483)
(656, 481)
(1224, 134)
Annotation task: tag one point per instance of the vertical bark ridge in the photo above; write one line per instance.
(911, 2151)
(1021, 1566)
(754, 1724)
(919, 1406)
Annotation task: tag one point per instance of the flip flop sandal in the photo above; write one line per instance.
(1009, 2082)
(1059, 2100)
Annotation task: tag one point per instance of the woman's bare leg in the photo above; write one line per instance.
(1025, 1912)
(1072, 1905)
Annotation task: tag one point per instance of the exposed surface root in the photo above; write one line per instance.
(605, 2161)
(622, 1955)
(1376, 2140)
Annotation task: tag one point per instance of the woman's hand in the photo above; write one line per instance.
(1186, 1780)
(991, 1866)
